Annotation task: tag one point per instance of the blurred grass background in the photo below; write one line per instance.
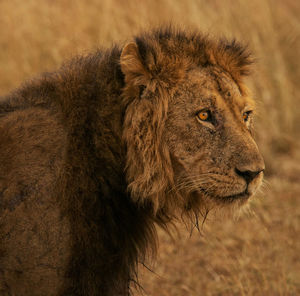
(257, 254)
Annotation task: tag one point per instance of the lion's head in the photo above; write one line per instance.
(188, 122)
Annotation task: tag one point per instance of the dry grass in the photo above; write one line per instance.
(256, 255)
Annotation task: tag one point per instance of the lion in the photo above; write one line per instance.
(95, 154)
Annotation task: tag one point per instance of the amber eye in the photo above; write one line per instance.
(204, 115)
(246, 115)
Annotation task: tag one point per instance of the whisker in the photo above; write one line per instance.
(189, 181)
(192, 186)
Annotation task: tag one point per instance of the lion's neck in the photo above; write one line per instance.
(109, 233)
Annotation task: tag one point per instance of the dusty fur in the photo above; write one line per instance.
(96, 153)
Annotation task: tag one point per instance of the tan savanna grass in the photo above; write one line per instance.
(257, 254)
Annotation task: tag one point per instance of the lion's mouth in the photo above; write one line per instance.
(243, 195)
(240, 197)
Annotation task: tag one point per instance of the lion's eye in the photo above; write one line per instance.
(246, 115)
(204, 115)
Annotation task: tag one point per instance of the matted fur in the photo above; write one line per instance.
(93, 155)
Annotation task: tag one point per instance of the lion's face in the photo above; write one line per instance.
(209, 135)
(188, 123)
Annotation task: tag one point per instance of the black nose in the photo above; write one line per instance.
(248, 175)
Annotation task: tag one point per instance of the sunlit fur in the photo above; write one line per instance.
(96, 153)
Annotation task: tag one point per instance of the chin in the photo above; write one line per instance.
(237, 199)
(231, 199)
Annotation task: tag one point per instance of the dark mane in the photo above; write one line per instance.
(198, 48)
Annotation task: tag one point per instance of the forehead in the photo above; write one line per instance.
(216, 86)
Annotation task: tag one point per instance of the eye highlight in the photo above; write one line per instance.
(204, 115)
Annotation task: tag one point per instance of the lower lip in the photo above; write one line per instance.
(243, 195)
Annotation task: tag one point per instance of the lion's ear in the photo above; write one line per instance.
(132, 65)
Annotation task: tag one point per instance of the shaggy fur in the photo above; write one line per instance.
(93, 155)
